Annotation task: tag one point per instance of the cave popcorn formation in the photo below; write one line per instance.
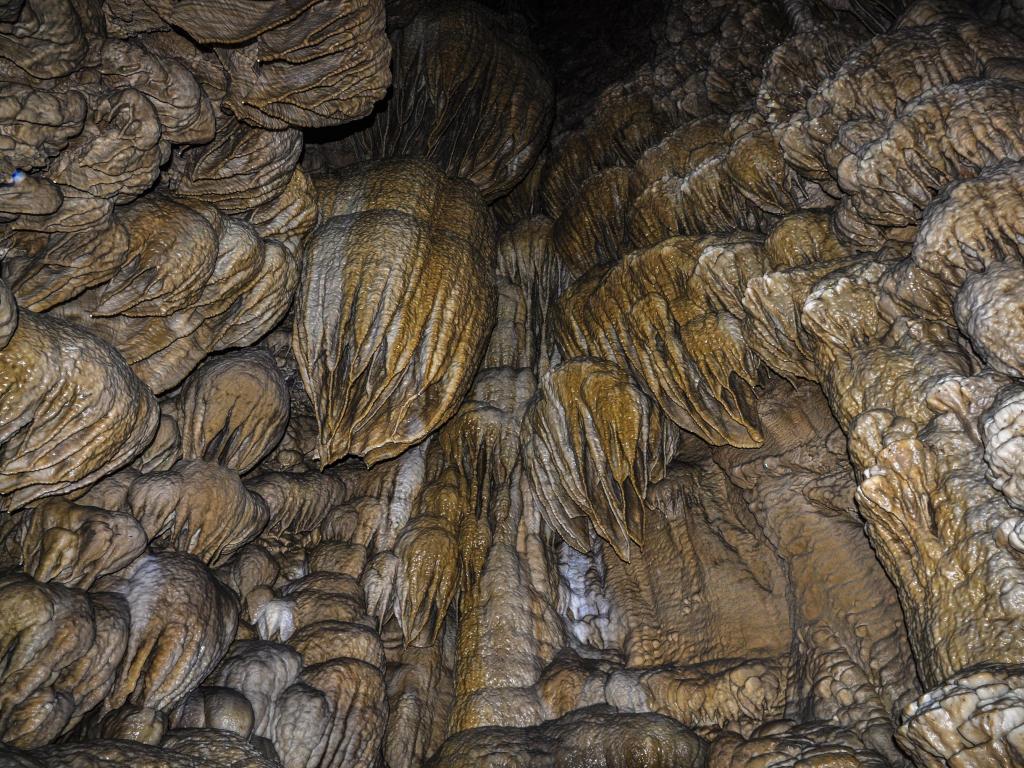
(414, 383)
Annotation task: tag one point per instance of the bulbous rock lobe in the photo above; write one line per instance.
(301, 63)
(182, 622)
(75, 544)
(595, 443)
(71, 410)
(395, 306)
(198, 507)
(234, 409)
(62, 649)
(469, 95)
(655, 315)
(194, 282)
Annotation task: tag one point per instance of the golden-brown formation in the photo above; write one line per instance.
(395, 304)
(389, 383)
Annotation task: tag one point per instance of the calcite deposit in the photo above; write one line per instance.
(511, 383)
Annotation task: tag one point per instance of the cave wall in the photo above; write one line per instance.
(448, 384)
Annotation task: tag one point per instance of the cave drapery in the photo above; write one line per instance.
(458, 383)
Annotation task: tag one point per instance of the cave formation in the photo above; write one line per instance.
(511, 383)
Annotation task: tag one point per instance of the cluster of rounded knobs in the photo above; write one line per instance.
(400, 383)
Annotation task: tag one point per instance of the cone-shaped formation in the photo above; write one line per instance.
(394, 308)
(596, 443)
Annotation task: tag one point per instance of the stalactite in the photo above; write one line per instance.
(412, 383)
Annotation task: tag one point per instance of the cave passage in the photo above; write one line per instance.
(511, 384)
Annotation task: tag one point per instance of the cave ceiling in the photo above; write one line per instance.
(511, 384)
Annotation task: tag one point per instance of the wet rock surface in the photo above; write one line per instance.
(407, 383)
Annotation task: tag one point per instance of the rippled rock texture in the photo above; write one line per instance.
(401, 383)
